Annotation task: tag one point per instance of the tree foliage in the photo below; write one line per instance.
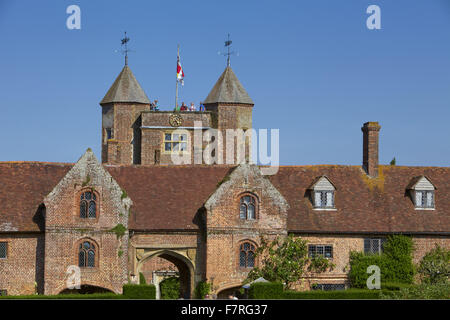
(434, 268)
(170, 288)
(286, 260)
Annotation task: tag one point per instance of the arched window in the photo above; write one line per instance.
(86, 255)
(247, 255)
(247, 209)
(88, 205)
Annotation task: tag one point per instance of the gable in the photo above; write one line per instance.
(240, 176)
(322, 184)
(421, 183)
(62, 203)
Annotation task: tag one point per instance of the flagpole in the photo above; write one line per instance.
(176, 92)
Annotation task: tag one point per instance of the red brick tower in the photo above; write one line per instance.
(232, 107)
(121, 108)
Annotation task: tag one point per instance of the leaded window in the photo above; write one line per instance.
(175, 142)
(425, 199)
(320, 250)
(374, 245)
(3, 250)
(324, 199)
(329, 286)
(88, 205)
(247, 209)
(86, 255)
(247, 255)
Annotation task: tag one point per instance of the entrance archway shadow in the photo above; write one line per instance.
(184, 266)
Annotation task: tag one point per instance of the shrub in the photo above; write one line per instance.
(358, 268)
(395, 263)
(423, 291)
(334, 294)
(170, 288)
(203, 288)
(266, 290)
(398, 251)
(434, 267)
(142, 278)
(270, 290)
(139, 291)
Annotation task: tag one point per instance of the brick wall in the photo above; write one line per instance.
(226, 231)
(156, 124)
(22, 271)
(65, 229)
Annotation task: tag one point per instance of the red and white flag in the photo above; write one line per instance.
(180, 73)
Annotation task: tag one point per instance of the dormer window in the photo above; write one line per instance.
(425, 199)
(323, 199)
(322, 193)
(422, 193)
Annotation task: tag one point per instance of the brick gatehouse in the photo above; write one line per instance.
(137, 212)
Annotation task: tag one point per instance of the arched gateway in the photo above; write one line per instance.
(183, 260)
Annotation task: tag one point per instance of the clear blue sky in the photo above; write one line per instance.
(312, 68)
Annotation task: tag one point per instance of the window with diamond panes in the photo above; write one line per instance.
(247, 255)
(88, 205)
(175, 142)
(374, 245)
(86, 255)
(320, 250)
(3, 250)
(329, 286)
(247, 208)
(324, 199)
(425, 199)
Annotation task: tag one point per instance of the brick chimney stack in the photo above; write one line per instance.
(370, 147)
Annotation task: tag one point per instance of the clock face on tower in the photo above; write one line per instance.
(175, 120)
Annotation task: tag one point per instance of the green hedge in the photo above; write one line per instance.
(69, 296)
(422, 291)
(170, 288)
(395, 263)
(139, 291)
(202, 289)
(266, 290)
(334, 294)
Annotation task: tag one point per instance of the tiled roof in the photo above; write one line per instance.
(23, 187)
(228, 89)
(364, 204)
(125, 89)
(169, 197)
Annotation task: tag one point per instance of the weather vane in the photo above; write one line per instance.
(228, 43)
(125, 41)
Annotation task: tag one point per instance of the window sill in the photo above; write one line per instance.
(324, 209)
(425, 209)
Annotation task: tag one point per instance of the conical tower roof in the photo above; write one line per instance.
(125, 89)
(228, 89)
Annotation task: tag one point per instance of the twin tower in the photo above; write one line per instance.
(132, 133)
